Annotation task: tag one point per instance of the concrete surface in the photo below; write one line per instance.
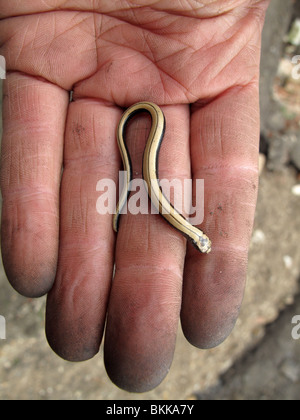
(260, 360)
(280, 91)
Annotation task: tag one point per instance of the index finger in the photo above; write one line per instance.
(224, 150)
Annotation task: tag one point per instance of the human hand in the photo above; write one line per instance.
(113, 54)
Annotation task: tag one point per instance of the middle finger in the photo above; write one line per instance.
(145, 299)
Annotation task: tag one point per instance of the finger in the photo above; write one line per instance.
(225, 136)
(33, 130)
(76, 306)
(146, 293)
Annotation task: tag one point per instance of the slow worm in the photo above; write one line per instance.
(150, 175)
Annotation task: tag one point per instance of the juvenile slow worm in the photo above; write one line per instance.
(150, 175)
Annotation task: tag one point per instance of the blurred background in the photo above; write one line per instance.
(261, 359)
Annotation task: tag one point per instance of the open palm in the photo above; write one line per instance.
(200, 62)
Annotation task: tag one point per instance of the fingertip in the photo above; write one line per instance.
(139, 346)
(71, 354)
(29, 252)
(212, 297)
(139, 374)
(32, 281)
(209, 333)
(76, 313)
(70, 343)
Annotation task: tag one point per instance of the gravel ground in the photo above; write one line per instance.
(260, 360)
